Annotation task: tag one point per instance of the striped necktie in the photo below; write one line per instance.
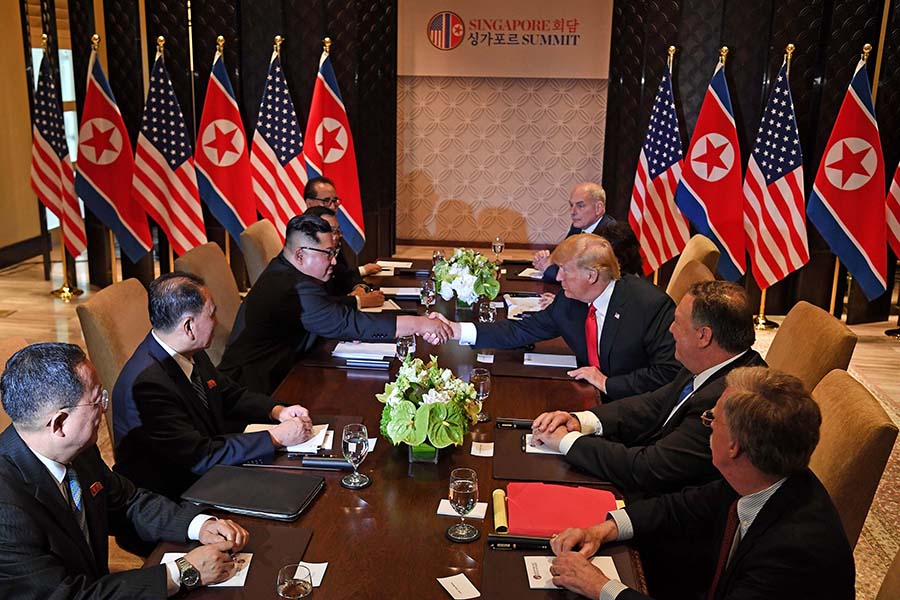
(199, 388)
(75, 501)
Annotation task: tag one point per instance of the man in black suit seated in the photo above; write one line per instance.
(587, 209)
(288, 309)
(654, 443)
(346, 283)
(175, 416)
(776, 533)
(59, 501)
(626, 319)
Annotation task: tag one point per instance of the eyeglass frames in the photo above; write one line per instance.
(103, 402)
(707, 417)
(331, 253)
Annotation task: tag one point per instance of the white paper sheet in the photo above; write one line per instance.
(540, 578)
(365, 350)
(483, 449)
(394, 264)
(237, 580)
(529, 449)
(536, 359)
(485, 358)
(317, 570)
(521, 304)
(372, 442)
(531, 273)
(446, 510)
(404, 292)
(388, 305)
(459, 587)
(318, 440)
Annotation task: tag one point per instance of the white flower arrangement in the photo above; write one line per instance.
(468, 275)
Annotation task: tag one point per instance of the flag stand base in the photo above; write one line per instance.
(894, 333)
(760, 323)
(66, 293)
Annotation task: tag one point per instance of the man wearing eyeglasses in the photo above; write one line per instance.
(320, 191)
(768, 530)
(288, 310)
(59, 501)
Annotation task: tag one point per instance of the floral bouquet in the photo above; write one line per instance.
(427, 404)
(467, 273)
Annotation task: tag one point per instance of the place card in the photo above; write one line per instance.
(394, 264)
(485, 358)
(317, 570)
(237, 580)
(459, 587)
(446, 510)
(483, 449)
(540, 578)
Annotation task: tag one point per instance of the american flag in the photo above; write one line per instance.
(165, 182)
(654, 217)
(52, 176)
(278, 168)
(893, 213)
(773, 192)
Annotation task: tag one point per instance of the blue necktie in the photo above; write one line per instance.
(76, 503)
(686, 390)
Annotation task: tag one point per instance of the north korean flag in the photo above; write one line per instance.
(105, 165)
(847, 200)
(221, 159)
(329, 151)
(709, 193)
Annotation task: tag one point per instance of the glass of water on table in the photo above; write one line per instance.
(294, 581)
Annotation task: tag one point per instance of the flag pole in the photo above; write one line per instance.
(669, 61)
(220, 48)
(867, 48)
(761, 323)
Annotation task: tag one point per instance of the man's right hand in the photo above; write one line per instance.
(214, 561)
(434, 329)
(290, 432)
(547, 422)
(455, 328)
(585, 541)
(370, 299)
(541, 260)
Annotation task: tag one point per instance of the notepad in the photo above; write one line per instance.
(540, 578)
(388, 305)
(402, 292)
(394, 264)
(310, 446)
(531, 273)
(237, 580)
(364, 350)
(536, 359)
(518, 305)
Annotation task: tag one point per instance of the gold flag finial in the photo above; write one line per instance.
(220, 44)
(278, 42)
(327, 42)
(671, 52)
(45, 41)
(95, 42)
(160, 42)
(866, 50)
(788, 54)
(723, 54)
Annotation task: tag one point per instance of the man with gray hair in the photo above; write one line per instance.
(175, 416)
(777, 535)
(59, 501)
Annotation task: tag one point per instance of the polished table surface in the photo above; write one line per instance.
(386, 541)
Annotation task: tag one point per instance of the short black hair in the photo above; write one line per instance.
(725, 308)
(307, 226)
(41, 378)
(625, 246)
(319, 211)
(172, 296)
(309, 191)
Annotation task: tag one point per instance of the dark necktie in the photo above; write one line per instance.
(731, 527)
(590, 336)
(75, 501)
(199, 388)
(686, 390)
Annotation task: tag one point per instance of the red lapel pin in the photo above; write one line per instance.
(95, 488)
(211, 383)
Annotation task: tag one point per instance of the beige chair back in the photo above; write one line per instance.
(208, 261)
(890, 587)
(8, 347)
(855, 442)
(810, 343)
(693, 271)
(701, 249)
(114, 321)
(260, 243)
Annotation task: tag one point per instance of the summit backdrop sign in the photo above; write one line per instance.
(567, 39)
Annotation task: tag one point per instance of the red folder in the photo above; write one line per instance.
(542, 509)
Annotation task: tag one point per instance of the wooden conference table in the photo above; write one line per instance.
(386, 541)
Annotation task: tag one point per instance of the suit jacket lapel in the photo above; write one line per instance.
(94, 512)
(612, 321)
(213, 397)
(185, 389)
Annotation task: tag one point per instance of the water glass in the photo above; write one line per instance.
(355, 446)
(436, 257)
(497, 247)
(486, 312)
(481, 381)
(294, 581)
(428, 294)
(463, 497)
(405, 345)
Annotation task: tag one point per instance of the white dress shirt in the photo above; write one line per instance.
(590, 228)
(186, 364)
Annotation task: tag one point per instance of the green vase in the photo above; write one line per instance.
(423, 453)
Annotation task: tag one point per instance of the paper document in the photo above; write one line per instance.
(531, 273)
(388, 305)
(312, 445)
(403, 292)
(237, 580)
(482, 448)
(446, 510)
(519, 304)
(539, 577)
(459, 587)
(537, 359)
(317, 570)
(364, 350)
(394, 264)
(529, 449)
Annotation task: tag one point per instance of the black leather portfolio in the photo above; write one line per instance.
(255, 492)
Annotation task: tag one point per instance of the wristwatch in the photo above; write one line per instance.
(190, 576)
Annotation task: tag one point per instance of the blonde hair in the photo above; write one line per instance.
(589, 251)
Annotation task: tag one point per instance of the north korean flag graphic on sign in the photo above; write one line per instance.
(847, 200)
(221, 159)
(709, 193)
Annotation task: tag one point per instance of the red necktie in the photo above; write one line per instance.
(590, 335)
(731, 525)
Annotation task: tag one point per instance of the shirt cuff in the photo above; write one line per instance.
(362, 270)
(570, 438)
(197, 522)
(590, 424)
(612, 589)
(173, 579)
(468, 334)
(623, 522)
(358, 302)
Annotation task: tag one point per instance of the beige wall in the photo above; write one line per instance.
(18, 204)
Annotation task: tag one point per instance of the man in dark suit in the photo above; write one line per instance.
(288, 309)
(626, 320)
(776, 533)
(587, 208)
(59, 501)
(654, 443)
(175, 416)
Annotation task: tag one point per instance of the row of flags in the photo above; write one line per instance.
(166, 179)
(763, 215)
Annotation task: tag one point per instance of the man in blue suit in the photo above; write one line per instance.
(175, 416)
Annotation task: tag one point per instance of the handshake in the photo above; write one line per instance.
(434, 328)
